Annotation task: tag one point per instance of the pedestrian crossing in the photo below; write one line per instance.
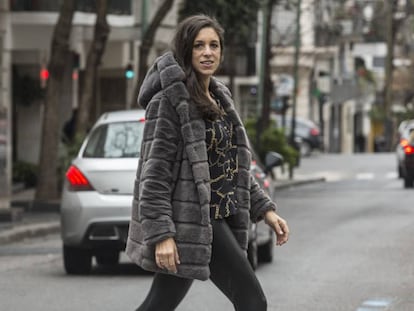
(371, 176)
(376, 304)
(332, 176)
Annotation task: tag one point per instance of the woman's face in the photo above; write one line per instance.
(206, 53)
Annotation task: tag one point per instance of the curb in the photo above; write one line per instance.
(293, 183)
(36, 205)
(19, 233)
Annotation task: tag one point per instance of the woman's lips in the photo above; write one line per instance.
(207, 63)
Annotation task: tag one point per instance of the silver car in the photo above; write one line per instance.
(97, 195)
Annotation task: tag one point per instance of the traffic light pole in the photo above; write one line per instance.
(296, 71)
(261, 88)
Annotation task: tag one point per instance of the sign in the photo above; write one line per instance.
(284, 85)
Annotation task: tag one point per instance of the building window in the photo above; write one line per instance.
(119, 7)
(35, 5)
(378, 62)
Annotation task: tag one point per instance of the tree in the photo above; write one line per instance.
(48, 180)
(93, 61)
(147, 42)
(238, 18)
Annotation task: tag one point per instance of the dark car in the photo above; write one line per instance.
(261, 236)
(405, 156)
(306, 131)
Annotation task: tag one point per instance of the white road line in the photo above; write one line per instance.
(365, 176)
(375, 304)
(391, 175)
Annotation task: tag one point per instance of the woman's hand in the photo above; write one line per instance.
(279, 226)
(166, 255)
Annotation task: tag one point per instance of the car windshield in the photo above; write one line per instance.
(115, 140)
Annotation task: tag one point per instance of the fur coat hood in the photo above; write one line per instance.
(172, 188)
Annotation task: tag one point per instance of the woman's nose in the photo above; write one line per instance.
(207, 50)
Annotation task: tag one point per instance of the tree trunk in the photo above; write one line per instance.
(47, 186)
(146, 44)
(93, 61)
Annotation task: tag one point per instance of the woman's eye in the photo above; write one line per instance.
(198, 46)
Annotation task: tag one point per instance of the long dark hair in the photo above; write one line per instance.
(182, 47)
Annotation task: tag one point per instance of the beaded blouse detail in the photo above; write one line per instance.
(223, 163)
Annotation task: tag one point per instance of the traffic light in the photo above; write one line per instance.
(44, 76)
(129, 72)
(75, 60)
(75, 66)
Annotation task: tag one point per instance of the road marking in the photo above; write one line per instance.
(331, 176)
(365, 176)
(391, 175)
(370, 176)
(375, 304)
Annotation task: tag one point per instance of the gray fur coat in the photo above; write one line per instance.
(172, 189)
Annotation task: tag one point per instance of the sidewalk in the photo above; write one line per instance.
(30, 218)
(36, 219)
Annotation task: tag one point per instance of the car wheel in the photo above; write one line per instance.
(399, 170)
(76, 260)
(408, 182)
(265, 251)
(252, 255)
(305, 149)
(110, 258)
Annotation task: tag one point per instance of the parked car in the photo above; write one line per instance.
(403, 125)
(261, 236)
(405, 156)
(306, 131)
(97, 194)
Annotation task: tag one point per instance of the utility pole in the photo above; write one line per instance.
(263, 54)
(388, 96)
(262, 71)
(296, 71)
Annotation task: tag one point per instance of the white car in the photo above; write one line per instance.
(97, 195)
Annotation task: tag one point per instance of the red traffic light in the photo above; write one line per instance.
(44, 74)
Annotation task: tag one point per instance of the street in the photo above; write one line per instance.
(350, 249)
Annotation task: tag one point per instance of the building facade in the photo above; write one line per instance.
(32, 24)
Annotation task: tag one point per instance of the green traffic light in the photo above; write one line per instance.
(129, 74)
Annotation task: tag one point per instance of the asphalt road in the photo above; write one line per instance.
(350, 249)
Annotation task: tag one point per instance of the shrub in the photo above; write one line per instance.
(25, 172)
(271, 139)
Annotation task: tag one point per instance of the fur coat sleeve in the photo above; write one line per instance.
(160, 142)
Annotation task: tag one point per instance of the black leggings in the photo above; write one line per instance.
(230, 272)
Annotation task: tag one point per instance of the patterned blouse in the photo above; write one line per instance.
(223, 162)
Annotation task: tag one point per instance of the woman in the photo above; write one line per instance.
(194, 195)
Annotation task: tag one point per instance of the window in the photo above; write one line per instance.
(378, 62)
(115, 140)
(120, 7)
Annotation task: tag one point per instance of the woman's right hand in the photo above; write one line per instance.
(166, 255)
